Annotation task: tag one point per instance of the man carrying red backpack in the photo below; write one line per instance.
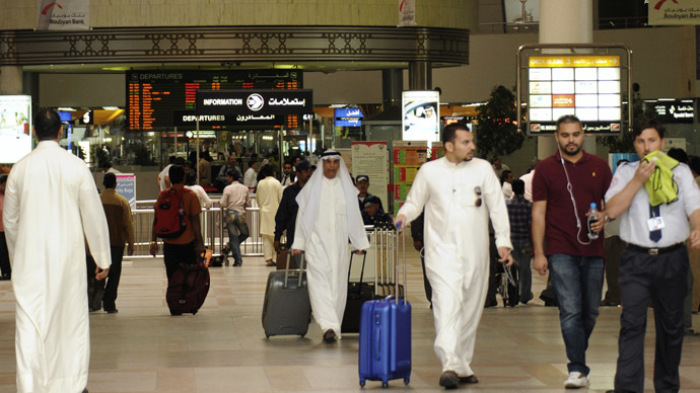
(176, 221)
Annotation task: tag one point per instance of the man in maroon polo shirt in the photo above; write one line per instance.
(563, 188)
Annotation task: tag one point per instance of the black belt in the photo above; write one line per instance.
(656, 251)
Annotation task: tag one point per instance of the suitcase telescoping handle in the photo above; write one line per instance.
(302, 267)
(362, 272)
(400, 253)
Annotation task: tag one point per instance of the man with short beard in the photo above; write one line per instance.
(564, 186)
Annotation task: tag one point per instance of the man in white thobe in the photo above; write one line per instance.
(460, 193)
(328, 216)
(268, 195)
(51, 208)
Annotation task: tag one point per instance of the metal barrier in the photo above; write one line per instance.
(214, 231)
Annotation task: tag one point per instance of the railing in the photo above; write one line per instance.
(213, 225)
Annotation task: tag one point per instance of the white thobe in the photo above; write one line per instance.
(269, 194)
(51, 207)
(456, 240)
(327, 255)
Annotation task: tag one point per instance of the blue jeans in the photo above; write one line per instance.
(233, 242)
(578, 284)
(521, 253)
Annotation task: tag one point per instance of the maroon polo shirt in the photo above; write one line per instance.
(590, 177)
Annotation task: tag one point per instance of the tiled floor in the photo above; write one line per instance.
(223, 348)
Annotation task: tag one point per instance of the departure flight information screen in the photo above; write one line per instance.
(154, 97)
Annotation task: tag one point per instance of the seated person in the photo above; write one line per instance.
(372, 214)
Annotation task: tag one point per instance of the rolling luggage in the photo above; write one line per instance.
(287, 308)
(385, 336)
(188, 288)
(358, 293)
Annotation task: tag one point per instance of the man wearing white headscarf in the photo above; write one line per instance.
(460, 194)
(328, 216)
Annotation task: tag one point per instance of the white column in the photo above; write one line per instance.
(10, 80)
(565, 22)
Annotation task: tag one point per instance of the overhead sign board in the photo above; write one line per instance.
(676, 111)
(254, 102)
(188, 119)
(348, 117)
(587, 86)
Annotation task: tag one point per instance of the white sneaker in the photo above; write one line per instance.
(576, 380)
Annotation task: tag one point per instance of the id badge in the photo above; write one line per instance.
(655, 223)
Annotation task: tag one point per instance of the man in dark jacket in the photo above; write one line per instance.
(372, 214)
(286, 216)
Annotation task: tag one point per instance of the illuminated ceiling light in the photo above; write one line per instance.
(110, 108)
(66, 109)
(667, 99)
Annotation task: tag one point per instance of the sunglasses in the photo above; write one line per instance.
(477, 191)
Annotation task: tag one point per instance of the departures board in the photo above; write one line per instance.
(155, 97)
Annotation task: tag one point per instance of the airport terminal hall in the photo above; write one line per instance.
(287, 196)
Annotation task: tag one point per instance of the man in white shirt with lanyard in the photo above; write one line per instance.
(655, 263)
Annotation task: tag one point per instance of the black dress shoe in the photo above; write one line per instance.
(449, 380)
(470, 379)
(5, 277)
(329, 336)
(111, 311)
(619, 391)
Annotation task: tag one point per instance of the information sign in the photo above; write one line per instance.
(587, 86)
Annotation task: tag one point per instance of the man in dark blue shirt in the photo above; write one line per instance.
(286, 216)
(520, 216)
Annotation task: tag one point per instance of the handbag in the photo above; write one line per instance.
(243, 231)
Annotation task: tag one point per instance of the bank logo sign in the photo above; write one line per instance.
(674, 12)
(63, 15)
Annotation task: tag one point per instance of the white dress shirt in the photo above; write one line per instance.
(633, 222)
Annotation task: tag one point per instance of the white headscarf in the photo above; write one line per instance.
(309, 199)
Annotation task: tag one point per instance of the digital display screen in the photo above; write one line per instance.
(15, 128)
(421, 115)
(587, 86)
(154, 97)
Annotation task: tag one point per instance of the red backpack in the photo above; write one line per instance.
(171, 219)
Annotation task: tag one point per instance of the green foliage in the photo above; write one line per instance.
(496, 133)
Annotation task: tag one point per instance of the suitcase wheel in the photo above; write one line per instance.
(385, 385)
(362, 383)
(406, 381)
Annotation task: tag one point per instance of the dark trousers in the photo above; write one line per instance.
(115, 273)
(426, 283)
(661, 279)
(175, 254)
(613, 250)
(4, 256)
(493, 269)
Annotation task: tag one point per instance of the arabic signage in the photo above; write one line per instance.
(674, 12)
(15, 128)
(348, 117)
(63, 15)
(588, 87)
(254, 102)
(188, 119)
(153, 97)
(677, 111)
(421, 115)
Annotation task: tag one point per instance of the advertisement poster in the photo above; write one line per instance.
(15, 128)
(674, 12)
(126, 187)
(408, 156)
(372, 159)
(63, 15)
(518, 11)
(421, 115)
(407, 12)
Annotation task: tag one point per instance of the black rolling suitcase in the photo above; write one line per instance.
(358, 293)
(287, 308)
(188, 288)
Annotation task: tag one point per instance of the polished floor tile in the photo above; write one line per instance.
(223, 348)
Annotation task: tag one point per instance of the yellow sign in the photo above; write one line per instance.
(574, 61)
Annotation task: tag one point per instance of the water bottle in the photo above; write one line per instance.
(592, 218)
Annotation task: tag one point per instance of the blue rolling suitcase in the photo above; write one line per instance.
(385, 337)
